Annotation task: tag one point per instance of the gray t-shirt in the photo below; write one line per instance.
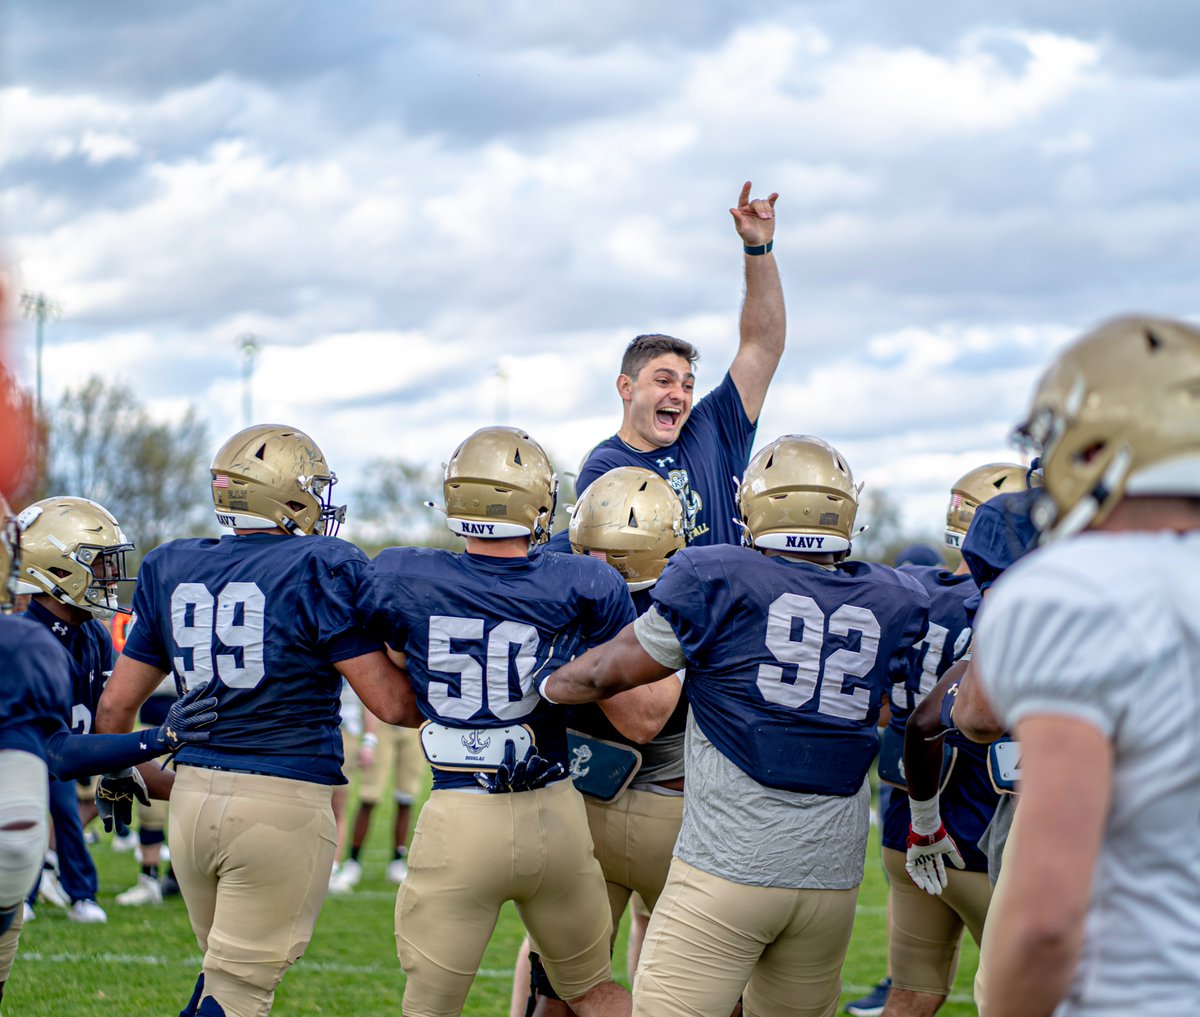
(740, 830)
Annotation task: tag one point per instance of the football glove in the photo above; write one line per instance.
(927, 856)
(114, 799)
(529, 774)
(184, 720)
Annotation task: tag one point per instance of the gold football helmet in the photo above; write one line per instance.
(633, 519)
(1118, 413)
(270, 475)
(74, 551)
(972, 489)
(499, 483)
(799, 495)
(10, 556)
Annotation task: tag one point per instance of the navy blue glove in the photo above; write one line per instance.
(114, 799)
(529, 774)
(184, 720)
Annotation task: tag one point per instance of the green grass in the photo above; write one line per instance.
(144, 962)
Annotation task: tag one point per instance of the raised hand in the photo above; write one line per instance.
(754, 218)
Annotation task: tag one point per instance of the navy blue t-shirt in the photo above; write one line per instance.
(1000, 533)
(35, 686)
(702, 467)
(590, 718)
(787, 662)
(969, 800)
(480, 633)
(90, 648)
(268, 616)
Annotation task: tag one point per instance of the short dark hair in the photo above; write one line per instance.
(644, 348)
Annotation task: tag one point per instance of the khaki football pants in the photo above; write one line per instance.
(709, 938)
(252, 855)
(471, 853)
(634, 838)
(926, 931)
(398, 753)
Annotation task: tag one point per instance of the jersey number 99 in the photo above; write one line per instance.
(235, 617)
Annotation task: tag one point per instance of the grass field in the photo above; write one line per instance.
(144, 962)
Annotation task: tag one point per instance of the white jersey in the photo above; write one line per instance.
(1106, 628)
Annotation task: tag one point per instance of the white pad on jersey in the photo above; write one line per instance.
(471, 748)
(24, 799)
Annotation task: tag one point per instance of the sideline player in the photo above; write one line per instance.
(477, 631)
(1090, 650)
(789, 649)
(700, 450)
(268, 615)
(925, 929)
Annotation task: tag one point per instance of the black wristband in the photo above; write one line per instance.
(760, 249)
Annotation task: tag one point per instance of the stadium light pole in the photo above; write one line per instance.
(250, 344)
(41, 309)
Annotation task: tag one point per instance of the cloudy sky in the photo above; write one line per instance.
(440, 216)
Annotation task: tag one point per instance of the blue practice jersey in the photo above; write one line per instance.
(90, 648)
(702, 467)
(267, 616)
(35, 686)
(480, 633)
(968, 801)
(787, 662)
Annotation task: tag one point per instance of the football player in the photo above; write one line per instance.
(700, 450)
(633, 788)
(1090, 650)
(268, 616)
(73, 564)
(477, 631)
(789, 649)
(36, 707)
(924, 929)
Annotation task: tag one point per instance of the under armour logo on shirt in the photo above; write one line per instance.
(59, 629)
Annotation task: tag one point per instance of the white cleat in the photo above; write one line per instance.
(88, 912)
(397, 871)
(29, 913)
(145, 891)
(339, 886)
(350, 872)
(50, 890)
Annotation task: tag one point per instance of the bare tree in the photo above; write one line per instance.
(151, 475)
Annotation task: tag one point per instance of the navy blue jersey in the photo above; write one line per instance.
(480, 633)
(90, 648)
(35, 686)
(713, 449)
(268, 616)
(1000, 533)
(948, 636)
(787, 662)
(968, 801)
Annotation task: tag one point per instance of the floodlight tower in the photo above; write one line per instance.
(249, 344)
(41, 309)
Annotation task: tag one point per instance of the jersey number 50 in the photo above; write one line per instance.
(235, 617)
(823, 678)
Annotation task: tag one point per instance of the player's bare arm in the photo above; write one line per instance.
(383, 688)
(639, 714)
(924, 739)
(131, 684)
(605, 670)
(1067, 768)
(763, 324)
(973, 713)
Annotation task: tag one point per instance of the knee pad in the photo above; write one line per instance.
(24, 798)
(209, 1007)
(8, 915)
